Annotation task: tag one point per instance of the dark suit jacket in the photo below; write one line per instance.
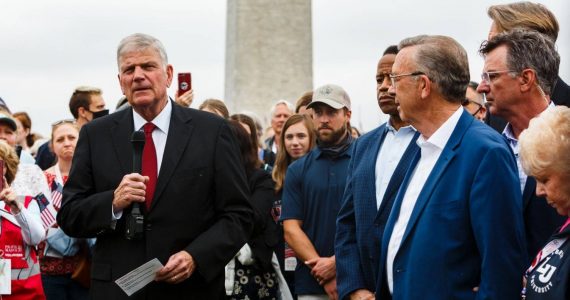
(466, 228)
(561, 93)
(200, 204)
(358, 232)
(540, 219)
(265, 236)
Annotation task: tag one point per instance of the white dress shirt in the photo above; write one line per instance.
(159, 135)
(430, 150)
(395, 144)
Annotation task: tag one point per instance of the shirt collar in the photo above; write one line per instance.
(440, 137)
(390, 128)
(162, 121)
(508, 131)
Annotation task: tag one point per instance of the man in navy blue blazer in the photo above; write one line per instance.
(377, 166)
(456, 228)
(520, 72)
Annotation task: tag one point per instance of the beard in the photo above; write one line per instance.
(330, 138)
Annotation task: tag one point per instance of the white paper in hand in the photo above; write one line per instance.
(5, 277)
(139, 277)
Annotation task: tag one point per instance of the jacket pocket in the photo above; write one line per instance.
(101, 272)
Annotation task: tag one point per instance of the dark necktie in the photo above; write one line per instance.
(149, 163)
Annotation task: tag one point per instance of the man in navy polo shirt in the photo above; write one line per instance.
(314, 186)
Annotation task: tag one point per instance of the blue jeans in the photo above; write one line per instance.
(62, 287)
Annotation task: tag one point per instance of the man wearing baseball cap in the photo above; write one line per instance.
(312, 194)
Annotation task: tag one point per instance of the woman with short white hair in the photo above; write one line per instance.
(545, 155)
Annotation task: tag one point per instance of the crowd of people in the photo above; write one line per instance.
(462, 194)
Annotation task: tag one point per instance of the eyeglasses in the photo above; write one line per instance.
(491, 76)
(65, 121)
(393, 77)
(466, 102)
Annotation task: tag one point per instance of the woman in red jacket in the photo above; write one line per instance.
(20, 231)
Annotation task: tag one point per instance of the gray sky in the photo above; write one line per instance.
(50, 47)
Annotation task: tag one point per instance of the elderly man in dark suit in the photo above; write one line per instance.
(192, 190)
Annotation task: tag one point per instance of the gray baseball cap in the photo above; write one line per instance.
(331, 95)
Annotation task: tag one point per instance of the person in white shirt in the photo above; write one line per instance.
(456, 228)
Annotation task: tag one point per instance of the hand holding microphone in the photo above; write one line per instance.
(131, 191)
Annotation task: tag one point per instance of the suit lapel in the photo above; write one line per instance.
(369, 174)
(179, 134)
(392, 218)
(397, 178)
(121, 133)
(449, 151)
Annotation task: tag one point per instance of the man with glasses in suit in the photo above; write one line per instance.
(519, 73)
(456, 222)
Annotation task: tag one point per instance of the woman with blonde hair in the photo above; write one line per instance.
(215, 106)
(297, 138)
(21, 230)
(545, 155)
(60, 255)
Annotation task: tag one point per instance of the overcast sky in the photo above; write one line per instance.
(50, 47)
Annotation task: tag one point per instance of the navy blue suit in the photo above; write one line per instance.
(466, 228)
(359, 227)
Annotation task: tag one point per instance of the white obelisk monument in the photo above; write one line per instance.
(269, 54)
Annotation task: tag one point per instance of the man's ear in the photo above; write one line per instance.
(81, 112)
(169, 75)
(527, 80)
(424, 86)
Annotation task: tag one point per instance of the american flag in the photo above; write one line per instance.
(56, 194)
(47, 211)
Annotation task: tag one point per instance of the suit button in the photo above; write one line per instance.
(148, 226)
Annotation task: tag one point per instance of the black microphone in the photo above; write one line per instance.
(135, 220)
(137, 139)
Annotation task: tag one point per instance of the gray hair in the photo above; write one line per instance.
(545, 144)
(444, 61)
(139, 42)
(282, 102)
(528, 49)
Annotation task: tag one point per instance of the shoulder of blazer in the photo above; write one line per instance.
(201, 119)
(370, 137)
(111, 119)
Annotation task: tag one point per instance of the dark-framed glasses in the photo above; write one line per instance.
(394, 77)
(466, 102)
(492, 75)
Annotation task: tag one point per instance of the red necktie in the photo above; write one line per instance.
(149, 164)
